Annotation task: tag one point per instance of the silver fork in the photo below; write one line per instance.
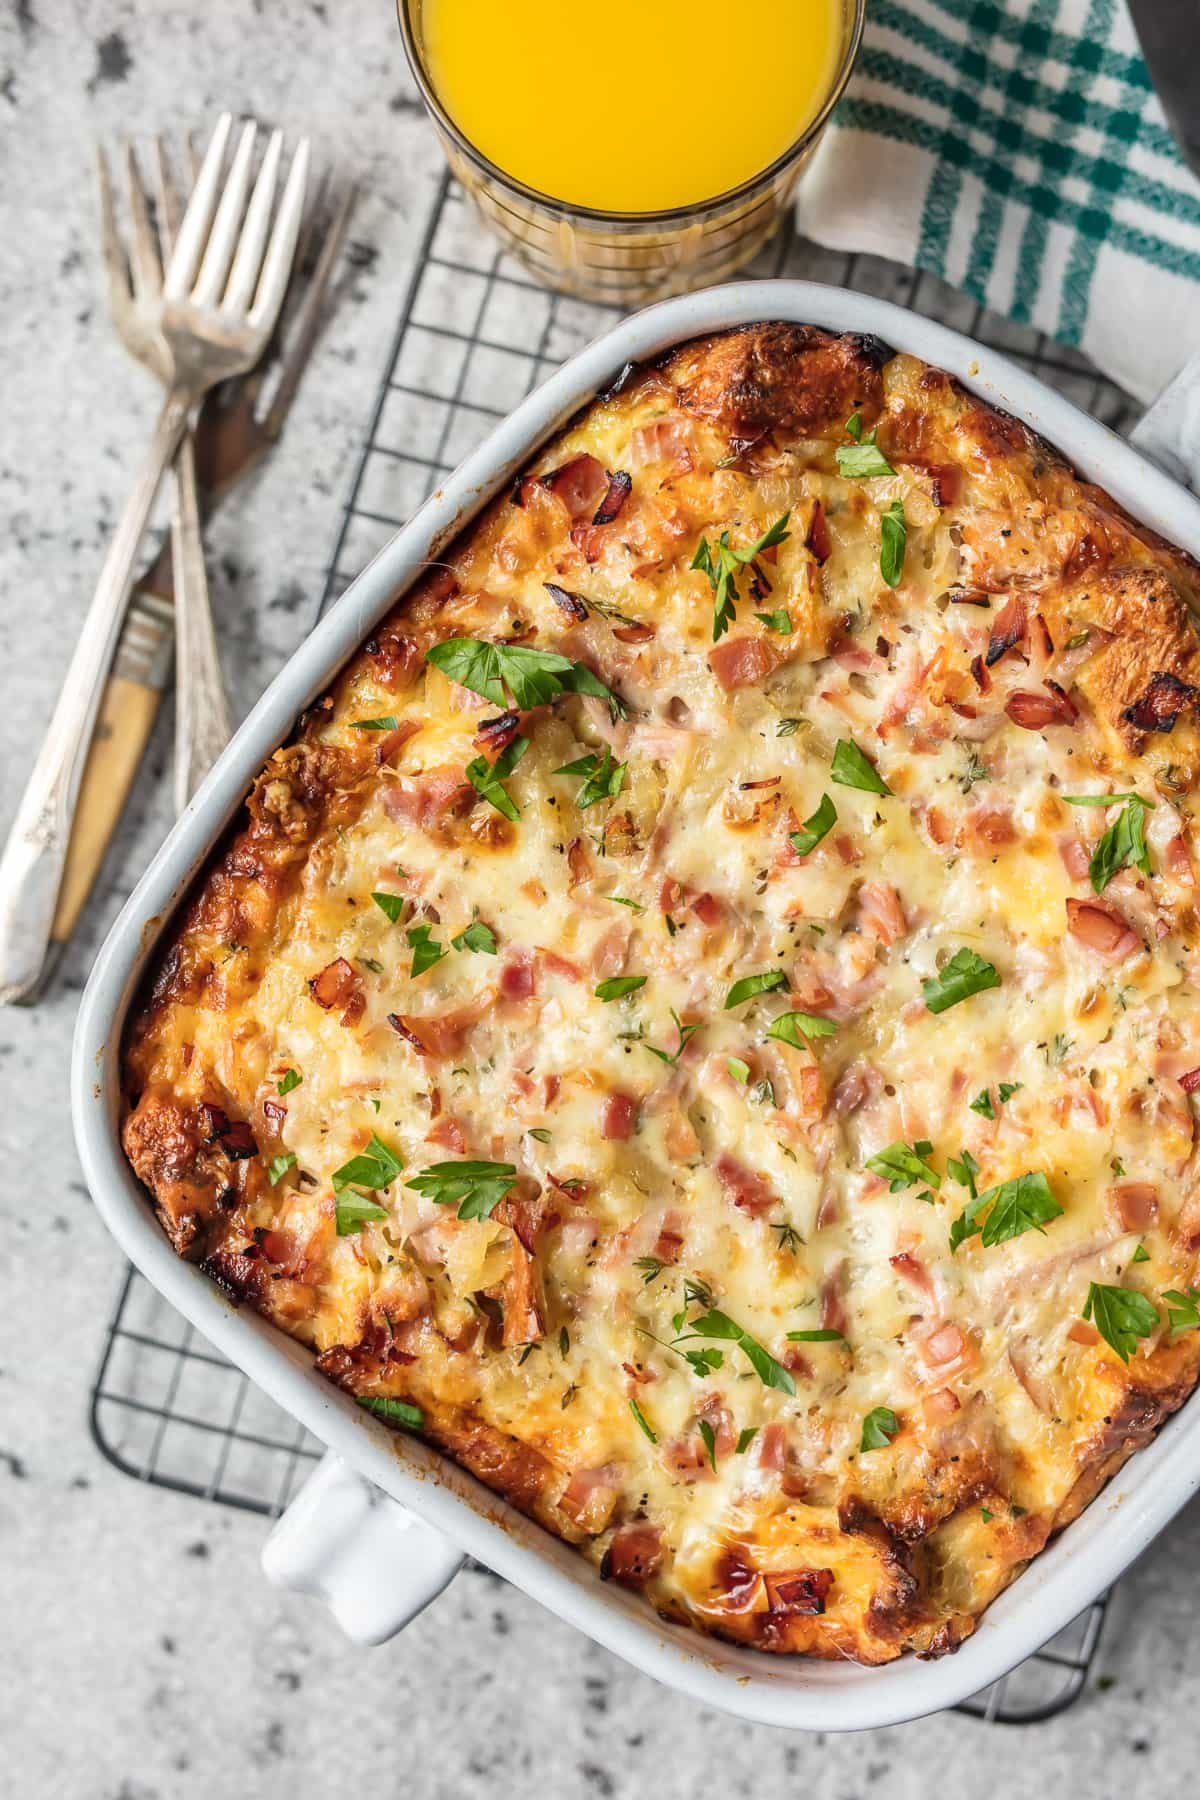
(219, 299)
(135, 302)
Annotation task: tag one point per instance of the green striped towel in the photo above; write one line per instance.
(1017, 149)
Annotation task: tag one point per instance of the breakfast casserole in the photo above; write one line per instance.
(700, 1021)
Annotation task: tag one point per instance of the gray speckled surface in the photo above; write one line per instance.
(141, 1654)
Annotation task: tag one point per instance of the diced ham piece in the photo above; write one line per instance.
(739, 662)
(522, 1299)
(716, 1414)
(686, 1458)
(945, 1350)
(881, 913)
(1007, 632)
(440, 1035)
(1080, 1332)
(590, 1495)
(338, 984)
(833, 1313)
(1034, 712)
(914, 1272)
(392, 742)
(818, 540)
(748, 1191)
(663, 441)
(448, 1135)
(620, 484)
(801, 1591)
(940, 1406)
(633, 1556)
(429, 800)
(496, 734)
(772, 1447)
(1191, 1081)
(1134, 1204)
(1075, 858)
(1102, 929)
(517, 976)
(947, 483)
(580, 484)
(669, 1241)
(620, 1116)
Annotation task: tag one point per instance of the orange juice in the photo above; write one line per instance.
(632, 105)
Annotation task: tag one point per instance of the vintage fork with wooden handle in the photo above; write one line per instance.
(221, 296)
(237, 425)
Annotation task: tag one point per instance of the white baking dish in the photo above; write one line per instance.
(376, 1560)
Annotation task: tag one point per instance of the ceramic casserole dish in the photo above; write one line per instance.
(386, 1521)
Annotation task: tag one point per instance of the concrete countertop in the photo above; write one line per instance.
(142, 1655)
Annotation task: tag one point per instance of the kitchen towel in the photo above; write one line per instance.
(1017, 149)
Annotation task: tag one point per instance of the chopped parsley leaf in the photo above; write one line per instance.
(291, 1078)
(390, 904)
(814, 828)
(1121, 1315)
(1183, 1313)
(878, 1429)
(722, 565)
(400, 1412)
(477, 937)
(530, 677)
(852, 768)
(797, 1028)
(278, 1167)
(750, 985)
(686, 1034)
(488, 778)
(374, 1167)
(425, 948)
(476, 1187)
(1014, 1207)
(353, 1211)
(893, 536)
(642, 1422)
(603, 778)
(717, 1324)
(709, 1438)
(617, 986)
(386, 723)
(965, 974)
(902, 1166)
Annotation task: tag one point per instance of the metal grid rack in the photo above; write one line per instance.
(474, 335)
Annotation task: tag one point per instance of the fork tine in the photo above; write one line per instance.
(222, 239)
(166, 201)
(303, 336)
(116, 268)
(147, 271)
(277, 264)
(246, 264)
(193, 233)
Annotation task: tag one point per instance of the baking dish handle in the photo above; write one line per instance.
(1169, 430)
(373, 1563)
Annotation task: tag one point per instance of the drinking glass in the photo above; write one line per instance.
(626, 258)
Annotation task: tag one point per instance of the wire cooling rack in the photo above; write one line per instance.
(474, 335)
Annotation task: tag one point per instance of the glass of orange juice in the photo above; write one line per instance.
(639, 148)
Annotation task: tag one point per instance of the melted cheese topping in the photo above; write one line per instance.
(546, 1345)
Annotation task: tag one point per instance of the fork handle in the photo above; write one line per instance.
(32, 863)
(201, 715)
